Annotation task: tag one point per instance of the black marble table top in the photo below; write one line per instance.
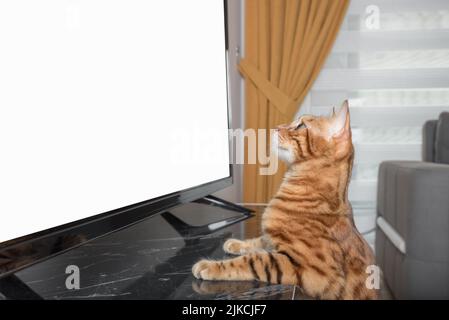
(149, 260)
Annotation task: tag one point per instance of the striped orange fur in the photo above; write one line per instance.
(309, 237)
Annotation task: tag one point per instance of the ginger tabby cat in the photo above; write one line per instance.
(309, 237)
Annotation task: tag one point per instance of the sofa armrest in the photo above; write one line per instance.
(413, 197)
(428, 143)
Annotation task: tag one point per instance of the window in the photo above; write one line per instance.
(396, 76)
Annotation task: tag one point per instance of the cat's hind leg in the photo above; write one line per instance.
(242, 247)
(264, 266)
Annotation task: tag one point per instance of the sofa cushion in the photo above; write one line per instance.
(442, 139)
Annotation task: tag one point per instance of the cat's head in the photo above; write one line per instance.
(314, 137)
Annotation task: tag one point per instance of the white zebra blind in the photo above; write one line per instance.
(395, 72)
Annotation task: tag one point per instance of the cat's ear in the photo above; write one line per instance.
(340, 125)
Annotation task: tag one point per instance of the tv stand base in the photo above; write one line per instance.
(188, 230)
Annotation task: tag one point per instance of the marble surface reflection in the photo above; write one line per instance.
(149, 260)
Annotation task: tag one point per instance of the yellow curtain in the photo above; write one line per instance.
(286, 44)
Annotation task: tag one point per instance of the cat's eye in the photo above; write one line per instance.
(300, 126)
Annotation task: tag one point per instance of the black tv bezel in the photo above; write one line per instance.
(22, 252)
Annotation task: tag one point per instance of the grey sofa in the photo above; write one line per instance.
(412, 234)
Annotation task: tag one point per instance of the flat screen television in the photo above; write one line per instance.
(106, 108)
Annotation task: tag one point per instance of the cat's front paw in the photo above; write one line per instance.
(204, 270)
(233, 246)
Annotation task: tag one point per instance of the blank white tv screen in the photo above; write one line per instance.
(105, 104)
